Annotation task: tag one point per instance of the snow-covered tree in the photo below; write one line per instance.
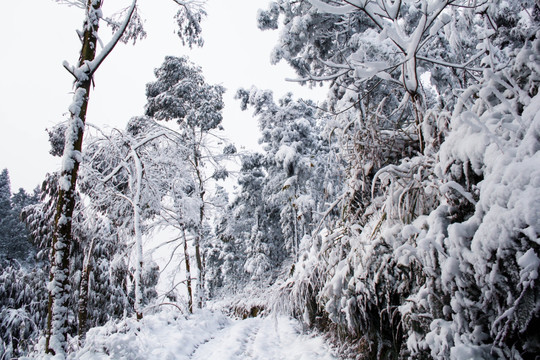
(246, 233)
(23, 307)
(429, 98)
(181, 94)
(97, 271)
(129, 27)
(126, 178)
(296, 161)
(283, 191)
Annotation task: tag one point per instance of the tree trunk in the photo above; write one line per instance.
(138, 235)
(57, 318)
(188, 274)
(84, 291)
(199, 290)
(419, 120)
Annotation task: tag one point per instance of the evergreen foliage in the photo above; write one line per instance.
(282, 193)
(14, 238)
(23, 307)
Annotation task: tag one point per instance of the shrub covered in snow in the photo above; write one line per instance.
(436, 253)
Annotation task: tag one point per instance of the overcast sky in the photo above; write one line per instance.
(36, 36)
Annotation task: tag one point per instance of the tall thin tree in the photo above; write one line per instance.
(89, 62)
(181, 93)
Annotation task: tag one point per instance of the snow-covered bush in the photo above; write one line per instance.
(435, 254)
(23, 308)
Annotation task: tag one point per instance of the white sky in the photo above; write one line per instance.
(37, 35)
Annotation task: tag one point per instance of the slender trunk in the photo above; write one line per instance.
(138, 236)
(199, 290)
(57, 318)
(418, 118)
(84, 291)
(295, 229)
(188, 274)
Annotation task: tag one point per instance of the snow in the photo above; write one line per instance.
(286, 155)
(205, 335)
(336, 10)
(530, 263)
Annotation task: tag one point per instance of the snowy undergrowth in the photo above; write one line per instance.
(207, 334)
(444, 263)
(164, 335)
(249, 301)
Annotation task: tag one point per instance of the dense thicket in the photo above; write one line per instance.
(20, 278)
(282, 192)
(434, 104)
(98, 272)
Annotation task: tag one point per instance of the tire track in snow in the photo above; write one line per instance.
(233, 342)
(263, 339)
(211, 338)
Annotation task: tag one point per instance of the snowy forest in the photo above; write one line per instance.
(397, 219)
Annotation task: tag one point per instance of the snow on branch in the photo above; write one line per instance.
(330, 9)
(134, 147)
(189, 19)
(134, 31)
(81, 4)
(320, 78)
(457, 187)
(94, 65)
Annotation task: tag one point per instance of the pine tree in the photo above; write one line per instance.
(282, 192)
(14, 238)
(7, 232)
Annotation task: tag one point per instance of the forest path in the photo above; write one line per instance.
(262, 338)
(204, 335)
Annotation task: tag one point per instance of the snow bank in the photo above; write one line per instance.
(165, 335)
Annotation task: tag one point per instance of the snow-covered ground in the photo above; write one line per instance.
(202, 336)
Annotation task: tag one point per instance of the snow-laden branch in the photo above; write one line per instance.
(94, 64)
(88, 68)
(451, 65)
(189, 3)
(327, 212)
(134, 148)
(331, 9)
(320, 78)
(81, 4)
(457, 187)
